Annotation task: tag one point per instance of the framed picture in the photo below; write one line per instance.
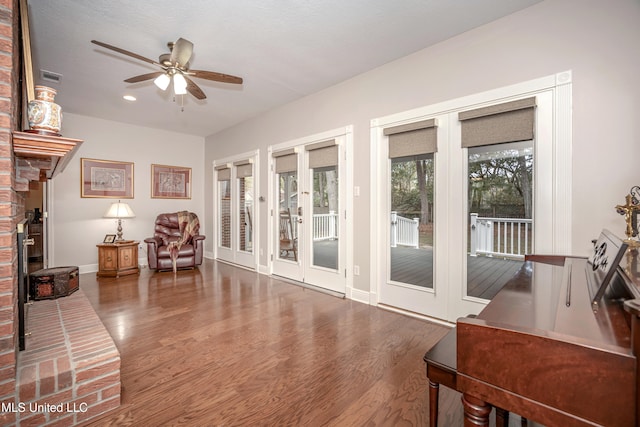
(170, 182)
(109, 238)
(106, 178)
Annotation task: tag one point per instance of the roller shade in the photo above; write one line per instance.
(224, 173)
(508, 122)
(286, 161)
(322, 154)
(244, 168)
(412, 139)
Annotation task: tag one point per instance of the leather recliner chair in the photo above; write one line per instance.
(171, 227)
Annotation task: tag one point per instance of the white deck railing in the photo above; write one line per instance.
(404, 231)
(508, 237)
(325, 226)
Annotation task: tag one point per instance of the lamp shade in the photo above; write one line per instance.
(119, 210)
(162, 81)
(179, 84)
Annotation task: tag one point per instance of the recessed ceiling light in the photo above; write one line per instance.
(129, 97)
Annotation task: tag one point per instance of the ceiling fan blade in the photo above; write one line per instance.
(181, 52)
(218, 77)
(144, 77)
(194, 89)
(125, 52)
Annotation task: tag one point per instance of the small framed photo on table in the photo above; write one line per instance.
(109, 238)
(170, 182)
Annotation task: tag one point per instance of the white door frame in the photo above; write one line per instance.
(412, 298)
(344, 138)
(233, 254)
(553, 219)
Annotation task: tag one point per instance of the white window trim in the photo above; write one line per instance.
(225, 254)
(560, 87)
(345, 136)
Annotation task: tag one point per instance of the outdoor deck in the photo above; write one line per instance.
(486, 275)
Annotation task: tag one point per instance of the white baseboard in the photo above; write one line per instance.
(264, 269)
(89, 268)
(358, 295)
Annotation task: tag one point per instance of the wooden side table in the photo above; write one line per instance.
(118, 259)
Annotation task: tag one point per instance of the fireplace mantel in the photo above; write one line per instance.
(40, 157)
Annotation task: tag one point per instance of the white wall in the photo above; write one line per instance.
(77, 224)
(596, 40)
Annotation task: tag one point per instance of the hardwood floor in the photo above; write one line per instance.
(222, 345)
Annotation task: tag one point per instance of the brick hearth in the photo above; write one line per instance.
(70, 371)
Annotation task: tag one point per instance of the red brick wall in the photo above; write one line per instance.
(11, 202)
(97, 396)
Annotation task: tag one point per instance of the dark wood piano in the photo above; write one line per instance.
(539, 350)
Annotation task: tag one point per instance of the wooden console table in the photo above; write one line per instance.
(118, 259)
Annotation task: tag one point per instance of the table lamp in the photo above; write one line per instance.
(119, 210)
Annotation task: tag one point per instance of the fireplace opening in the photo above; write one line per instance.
(23, 280)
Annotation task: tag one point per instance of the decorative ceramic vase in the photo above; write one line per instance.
(44, 115)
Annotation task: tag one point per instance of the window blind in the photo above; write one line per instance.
(224, 173)
(244, 168)
(286, 160)
(412, 139)
(322, 154)
(496, 124)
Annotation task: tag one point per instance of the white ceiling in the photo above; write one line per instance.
(283, 49)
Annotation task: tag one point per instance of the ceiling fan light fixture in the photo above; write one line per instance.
(173, 65)
(179, 84)
(162, 81)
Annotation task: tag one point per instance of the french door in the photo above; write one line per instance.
(236, 210)
(460, 205)
(309, 213)
(412, 218)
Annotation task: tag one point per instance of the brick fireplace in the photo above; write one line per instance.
(71, 363)
(11, 202)
(70, 371)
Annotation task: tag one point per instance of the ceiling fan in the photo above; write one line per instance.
(175, 67)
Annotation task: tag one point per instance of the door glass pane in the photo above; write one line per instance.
(288, 224)
(411, 219)
(325, 217)
(500, 216)
(245, 213)
(224, 190)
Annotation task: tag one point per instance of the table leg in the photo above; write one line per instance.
(502, 417)
(434, 389)
(476, 411)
